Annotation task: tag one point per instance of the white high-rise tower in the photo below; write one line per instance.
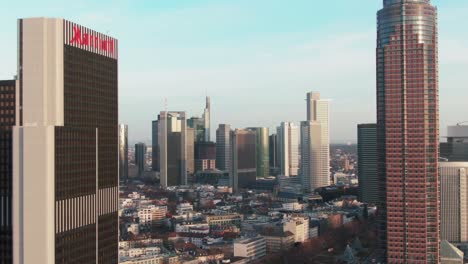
(288, 148)
(315, 143)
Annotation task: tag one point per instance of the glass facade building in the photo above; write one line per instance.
(262, 151)
(367, 163)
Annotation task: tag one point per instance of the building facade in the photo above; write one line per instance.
(278, 241)
(273, 152)
(456, 147)
(251, 248)
(205, 156)
(288, 149)
(7, 121)
(223, 147)
(155, 146)
(299, 226)
(244, 165)
(367, 163)
(123, 152)
(172, 146)
(140, 158)
(262, 151)
(315, 143)
(453, 201)
(408, 130)
(65, 145)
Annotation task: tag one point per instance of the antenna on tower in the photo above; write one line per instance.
(165, 104)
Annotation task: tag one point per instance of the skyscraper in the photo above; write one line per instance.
(140, 158)
(190, 149)
(310, 157)
(244, 166)
(65, 145)
(273, 153)
(172, 146)
(223, 147)
(367, 163)
(7, 121)
(207, 119)
(315, 143)
(155, 145)
(123, 152)
(407, 130)
(454, 202)
(262, 151)
(288, 148)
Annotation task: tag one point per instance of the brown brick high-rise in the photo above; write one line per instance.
(407, 127)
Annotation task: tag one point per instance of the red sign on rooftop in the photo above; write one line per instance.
(90, 40)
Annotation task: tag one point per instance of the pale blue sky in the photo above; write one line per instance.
(256, 58)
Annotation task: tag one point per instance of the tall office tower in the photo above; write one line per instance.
(244, 166)
(65, 145)
(190, 148)
(367, 163)
(456, 147)
(408, 130)
(172, 145)
(288, 148)
(223, 147)
(454, 202)
(205, 156)
(123, 152)
(312, 163)
(273, 151)
(155, 146)
(263, 151)
(207, 119)
(140, 158)
(316, 164)
(7, 121)
(198, 124)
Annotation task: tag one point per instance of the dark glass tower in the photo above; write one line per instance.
(367, 163)
(407, 130)
(7, 121)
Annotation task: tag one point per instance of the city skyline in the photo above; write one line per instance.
(247, 51)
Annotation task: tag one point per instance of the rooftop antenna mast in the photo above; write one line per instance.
(165, 104)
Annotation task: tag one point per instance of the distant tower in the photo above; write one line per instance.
(288, 149)
(173, 148)
(243, 172)
(315, 146)
(140, 158)
(223, 147)
(367, 163)
(262, 151)
(207, 119)
(123, 152)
